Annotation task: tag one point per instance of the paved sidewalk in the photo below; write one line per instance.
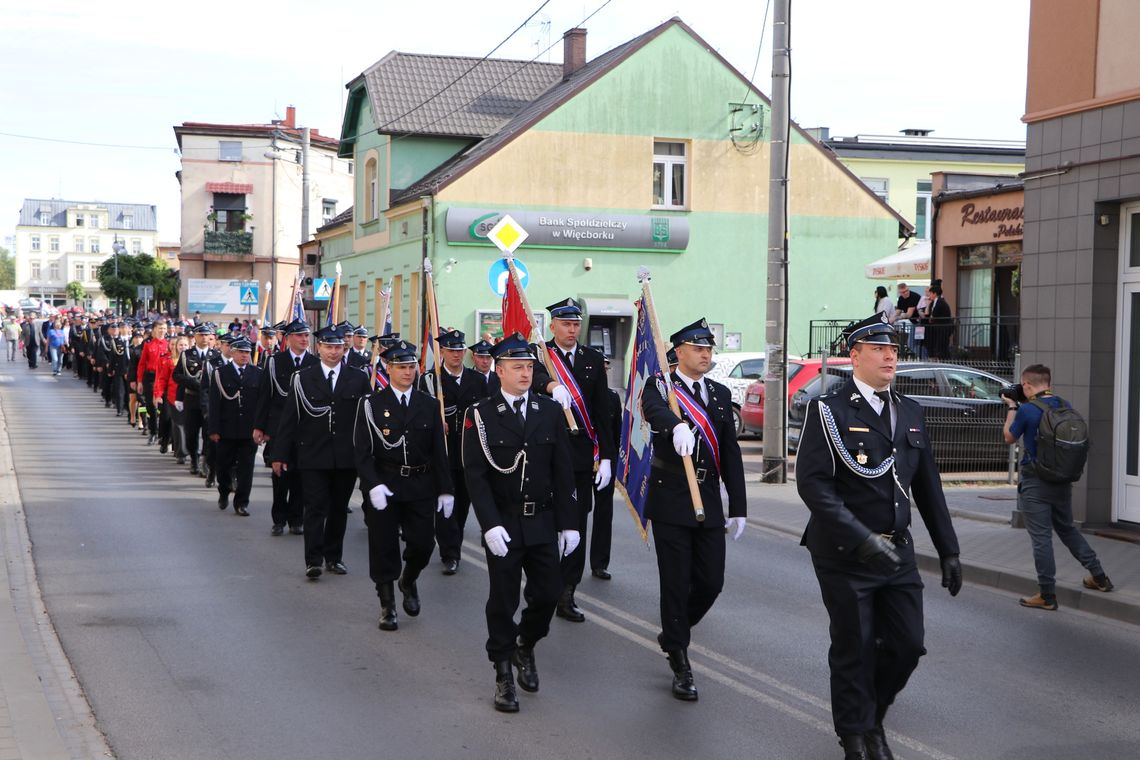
(43, 712)
(993, 553)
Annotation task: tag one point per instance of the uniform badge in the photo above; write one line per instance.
(534, 405)
(386, 431)
(861, 457)
(468, 423)
(387, 413)
(855, 396)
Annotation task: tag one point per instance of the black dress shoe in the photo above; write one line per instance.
(313, 572)
(875, 741)
(505, 697)
(601, 574)
(388, 620)
(277, 530)
(567, 609)
(223, 501)
(241, 511)
(411, 596)
(162, 446)
(854, 747)
(151, 439)
(336, 568)
(210, 482)
(450, 566)
(179, 460)
(683, 687)
(523, 659)
(297, 531)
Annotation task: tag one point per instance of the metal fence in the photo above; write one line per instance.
(985, 343)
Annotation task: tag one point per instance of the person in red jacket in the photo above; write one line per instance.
(166, 395)
(154, 353)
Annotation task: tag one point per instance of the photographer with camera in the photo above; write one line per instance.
(1054, 448)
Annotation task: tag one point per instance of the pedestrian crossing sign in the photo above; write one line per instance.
(322, 288)
(507, 235)
(249, 294)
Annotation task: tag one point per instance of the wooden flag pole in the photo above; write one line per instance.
(543, 354)
(663, 360)
(385, 299)
(433, 331)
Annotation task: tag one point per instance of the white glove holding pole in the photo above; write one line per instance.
(379, 497)
(178, 405)
(735, 527)
(683, 440)
(562, 396)
(497, 539)
(445, 503)
(568, 542)
(603, 476)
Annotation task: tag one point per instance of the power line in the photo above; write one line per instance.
(475, 65)
(81, 142)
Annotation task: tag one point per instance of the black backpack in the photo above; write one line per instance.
(1062, 443)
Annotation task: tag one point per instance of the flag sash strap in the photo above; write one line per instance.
(381, 379)
(700, 417)
(566, 377)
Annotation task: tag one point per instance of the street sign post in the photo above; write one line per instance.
(498, 275)
(249, 296)
(322, 288)
(145, 293)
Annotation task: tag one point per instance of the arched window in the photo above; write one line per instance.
(370, 191)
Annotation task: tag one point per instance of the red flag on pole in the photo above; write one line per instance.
(515, 318)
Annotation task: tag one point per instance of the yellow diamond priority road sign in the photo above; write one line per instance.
(507, 235)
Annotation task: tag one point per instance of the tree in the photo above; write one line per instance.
(134, 270)
(76, 292)
(7, 270)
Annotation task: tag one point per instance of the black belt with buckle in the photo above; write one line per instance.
(526, 508)
(703, 473)
(406, 470)
(897, 537)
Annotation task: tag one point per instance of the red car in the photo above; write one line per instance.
(800, 373)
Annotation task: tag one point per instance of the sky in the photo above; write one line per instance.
(124, 73)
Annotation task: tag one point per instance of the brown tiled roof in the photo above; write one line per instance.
(229, 187)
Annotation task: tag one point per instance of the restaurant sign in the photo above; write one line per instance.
(568, 229)
(1006, 222)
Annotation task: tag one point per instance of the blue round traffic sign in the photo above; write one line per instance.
(498, 274)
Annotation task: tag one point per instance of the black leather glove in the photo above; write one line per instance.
(879, 554)
(952, 574)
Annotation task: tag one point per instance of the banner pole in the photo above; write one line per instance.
(385, 296)
(433, 330)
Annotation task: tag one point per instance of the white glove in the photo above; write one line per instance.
(735, 526)
(683, 440)
(497, 539)
(568, 542)
(178, 405)
(445, 503)
(603, 476)
(379, 497)
(562, 396)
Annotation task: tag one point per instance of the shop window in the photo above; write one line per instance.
(878, 186)
(371, 191)
(922, 210)
(669, 174)
(229, 150)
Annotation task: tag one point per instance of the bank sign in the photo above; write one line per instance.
(567, 229)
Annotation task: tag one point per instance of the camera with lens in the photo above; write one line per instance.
(1014, 393)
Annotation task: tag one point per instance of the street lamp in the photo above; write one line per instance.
(118, 248)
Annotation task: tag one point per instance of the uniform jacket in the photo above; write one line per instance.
(457, 398)
(165, 386)
(234, 417)
(381, 414)
(278, 373)
(354, 358)
(590, 371)
(493, 384)
(668, 500)
(845, 507)
(320, 442)
(104, 348)
(189, 371)
(547, 479)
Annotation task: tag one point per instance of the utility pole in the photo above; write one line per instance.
(776, 329)
(304, 185)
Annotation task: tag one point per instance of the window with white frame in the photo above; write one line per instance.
(128, 221)
(79, 245)
(34, 269)
(229, 150)
(371, 191)
(53, 270)
(94, 245)
(922, 210)
(79, 220)
(53, 244)
(328, 209)
(879, 186)
(45, 218)
(136, 245)
(35, 241)
(81, 272)
(93, 221)
(669, 170)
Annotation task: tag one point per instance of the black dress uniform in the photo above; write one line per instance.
(601, 537)
(854, 470)
(234, 394)
(588, 368)
(690, 554)
(287, 503)
(79, 348)
(459, 393)
(189, 373)
(315, 436)
(400, 444)
(214, 362)
(118, 370)
(520, 477)
(104, 349)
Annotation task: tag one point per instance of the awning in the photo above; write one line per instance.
(235, 188)
(913, 262)
(608, 307)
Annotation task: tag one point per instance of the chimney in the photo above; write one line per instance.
(573, 51)
(290, 116)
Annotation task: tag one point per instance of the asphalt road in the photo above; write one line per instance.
(195, 635)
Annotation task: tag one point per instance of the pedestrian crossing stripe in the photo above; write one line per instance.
(324, 289)
(248, 297)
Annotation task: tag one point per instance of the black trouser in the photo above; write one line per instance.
(573, 565)
(191, 423)
(235, 468)
(412, 520)
(602, 537)
(209, 448)
(147, 392)
(543, 587)
(876, 637)
(105, 381)
(288, 505)
(165, 422)
(32, 353)
(326, 494)
(449, 530)
(119, 392)
(690, 568)
(81, 367)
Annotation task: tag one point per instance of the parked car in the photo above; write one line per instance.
(963, 407)
(800, 373)
(737, 370)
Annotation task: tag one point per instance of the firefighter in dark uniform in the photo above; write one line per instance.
(315, 436)
(592, 453)
(189, 374)
(483, 364)
(104, 349)
(358, 355)
(462, 387)
(218, 355)
(79, 348)
(403, 470)
(288, 507)
(690, 553)
(863, 451)
(234, 391)
(118, 368)
(266, 344)
(601, 537)
(91, 338)
(520, 477)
